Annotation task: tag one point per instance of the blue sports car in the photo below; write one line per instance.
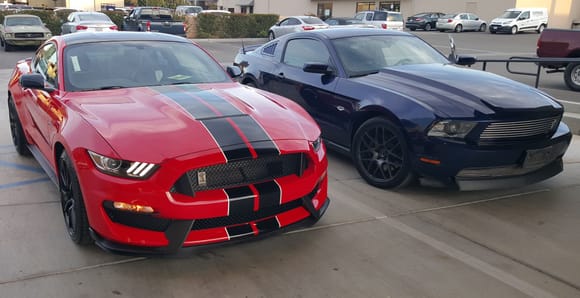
(403, 111)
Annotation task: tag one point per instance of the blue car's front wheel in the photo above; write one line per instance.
(381, 154)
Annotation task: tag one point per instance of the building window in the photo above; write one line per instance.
(324, 10)
(247, 9)
(390, 5)
(362, 6)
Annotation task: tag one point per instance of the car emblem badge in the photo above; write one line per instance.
(201, 179)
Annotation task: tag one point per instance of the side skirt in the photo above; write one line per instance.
(44, 163)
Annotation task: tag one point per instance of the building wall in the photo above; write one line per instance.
(562, 12)
(92, 5)
(47, 3)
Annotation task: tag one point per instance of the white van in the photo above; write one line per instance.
(185, 10)
(515, 20)
(391, 20)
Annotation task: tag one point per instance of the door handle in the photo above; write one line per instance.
(340, 108)
(281, 75)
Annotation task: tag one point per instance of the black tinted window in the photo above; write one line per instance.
(380, 16)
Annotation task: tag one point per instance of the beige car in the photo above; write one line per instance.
(22, 30)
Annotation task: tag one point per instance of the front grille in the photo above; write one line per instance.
(239, 173)
(498, 132)
(29, 35)
(231, 220)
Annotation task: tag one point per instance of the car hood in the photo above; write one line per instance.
(172, 121)
(451, 91)
(16, 29)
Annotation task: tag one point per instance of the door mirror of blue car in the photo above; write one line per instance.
(466, 60)
(318, 68)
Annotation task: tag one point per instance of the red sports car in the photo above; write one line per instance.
(155, 149)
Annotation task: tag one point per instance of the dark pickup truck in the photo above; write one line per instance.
(154, 19)
(561, 43)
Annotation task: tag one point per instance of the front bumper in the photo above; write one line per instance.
(471, 167)
(207, 216)
(499, 28)
(25, 42)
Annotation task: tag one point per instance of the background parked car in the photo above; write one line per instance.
(515, 20)
(425, 20)
(347, 22)
(382, 19)
(187, 10)
(88, 21)
(22, 30)
(461, 22)
(295, 24)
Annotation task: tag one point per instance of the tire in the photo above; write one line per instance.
(458, 28)
(514, 30)
(251, 84)
(1, 42)
(572, 76)
(440, 30)
(482, 28)
(7, 47)
(541, 28)
(18, 136)
(271, 35)
(412, 29)
(492, 32)
(381, 155)
(73, 206)
(428, 27)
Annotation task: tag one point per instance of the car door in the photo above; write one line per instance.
(131, 22)
(43, 110)
(315, 92)
(288, 26)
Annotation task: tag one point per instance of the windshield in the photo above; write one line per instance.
(312, 21)
(110, 65)
(510, 15)
(23, 21)
(362, 55)
(94, 17)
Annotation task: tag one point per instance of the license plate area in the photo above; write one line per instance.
(536, 158)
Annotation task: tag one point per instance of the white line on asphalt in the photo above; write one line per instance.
(471, 202)
(72, 270)
(469, 260)
(569, 102)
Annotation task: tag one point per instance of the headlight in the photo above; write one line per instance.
(48, 34)
(316, 144)
(451, 129)
(122, 168)
(8, 35)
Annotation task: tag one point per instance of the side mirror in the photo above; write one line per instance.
(320, 68)
(234, 71)
(34, 81)
(465, 60)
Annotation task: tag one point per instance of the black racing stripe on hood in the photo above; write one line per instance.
(228, 139)
(193, 106)
(221, 105)
(269, 194)
(256, 135)
(241, 200)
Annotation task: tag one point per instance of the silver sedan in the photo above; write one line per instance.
(461, 22)
(88, 21)
(296, 24)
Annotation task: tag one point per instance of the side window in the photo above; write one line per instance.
(463, 17)
(284, 22)
(369, 17)
(46, 63)
(293, 22)
(301, 51)
(359, 16)
(70, 18)
(525, 15)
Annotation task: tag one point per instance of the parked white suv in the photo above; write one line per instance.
(515, 20)
(382, 19)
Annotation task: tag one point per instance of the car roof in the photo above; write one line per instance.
(89, 37)
(20, 16)
(335, 33)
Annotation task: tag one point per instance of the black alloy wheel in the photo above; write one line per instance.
(381, 154)
(18, 137)
(572, 76)
(71, 198)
